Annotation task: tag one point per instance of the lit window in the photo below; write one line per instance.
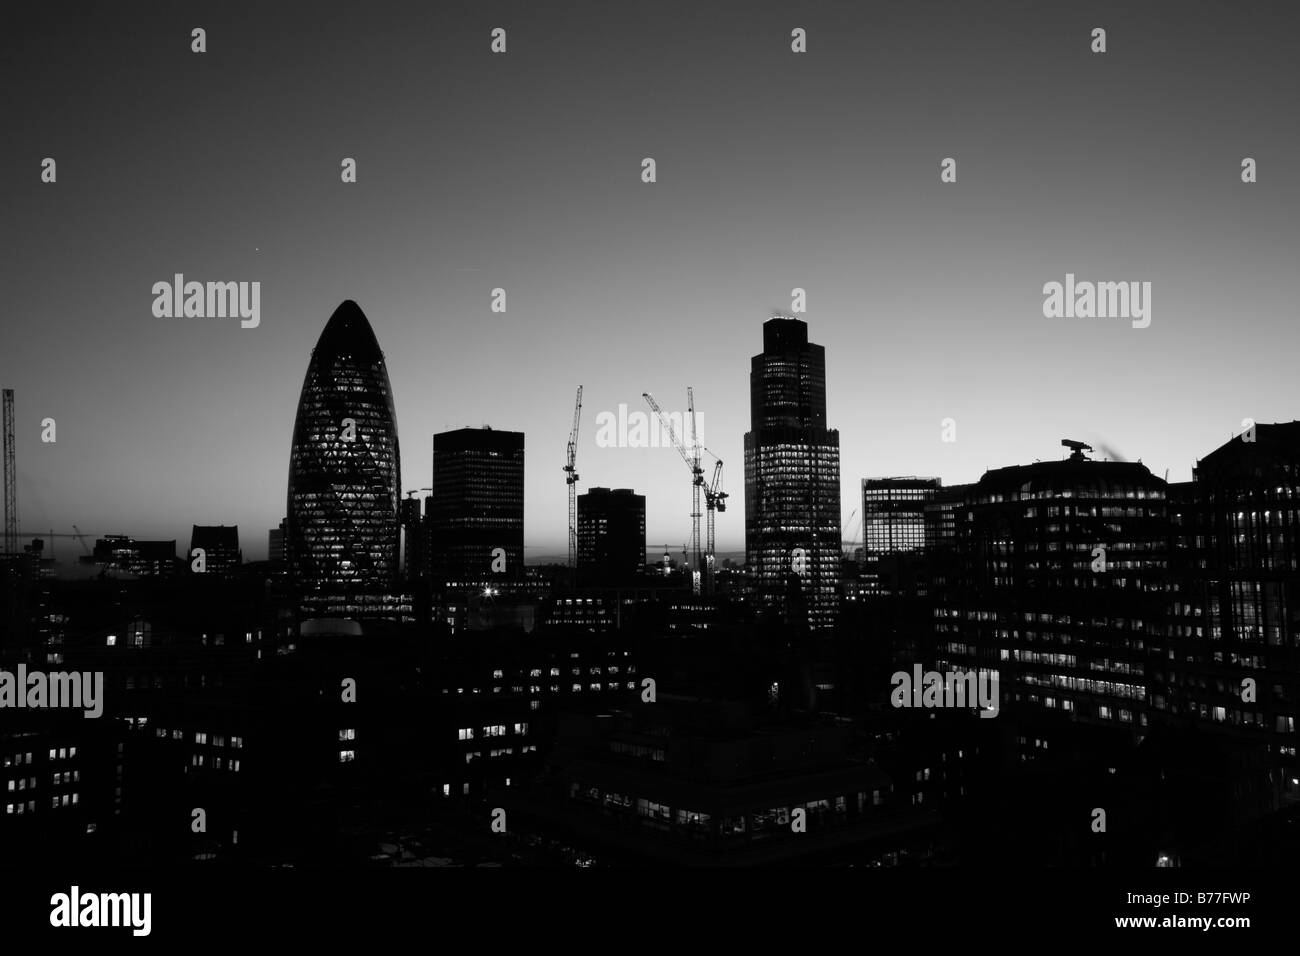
(347, 756)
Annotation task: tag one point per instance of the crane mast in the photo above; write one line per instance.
(698, 489)
(571, 479)
(715, 500)
(10, 477)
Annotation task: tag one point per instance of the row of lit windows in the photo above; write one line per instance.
(218, 763)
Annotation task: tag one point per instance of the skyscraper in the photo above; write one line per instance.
(792, 478)
(344, 466)
(611, 536)
(893, 525)
(476, 512)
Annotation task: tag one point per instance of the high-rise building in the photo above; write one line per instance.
(893, 525)
(792, 479)
(414, 538)
(146, 558)
(220, 545)
(344, 467)
(1232, 663)
(476, 512)
(1059, 588)
(893, 513)
(275, 542)
(611, 536)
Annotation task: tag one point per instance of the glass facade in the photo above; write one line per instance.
(1060, 587)
(477, 506)
(611, 535)
(344, 466)
(792, 479)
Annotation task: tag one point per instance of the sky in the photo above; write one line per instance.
(522, 171)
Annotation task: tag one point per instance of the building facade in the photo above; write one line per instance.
(344, 465)
(792, 480)
(476, 512)
(611, 536)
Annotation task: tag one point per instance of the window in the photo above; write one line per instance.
(200, 738)
(348, 734)
(347, 756)
(466, 733)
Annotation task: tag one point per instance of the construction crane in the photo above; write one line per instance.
(414, 490)
(82, 538)
(692, 459)
(844, 527)
(715, 500)
(52, 534)
(11, 476)
(571, 479)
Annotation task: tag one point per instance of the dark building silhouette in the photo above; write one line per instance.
(414, 538)
(275, 542)
(693, 782)
(1232, 663)
(220, 545)
(893, 526)
(792, 477)
(344, 466)
(119, 552)
(477, 506)
(1060, 588)
(611, 536)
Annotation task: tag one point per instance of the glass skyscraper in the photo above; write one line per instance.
(792, 479)
(344, 467)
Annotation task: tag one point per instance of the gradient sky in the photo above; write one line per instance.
(522, 171)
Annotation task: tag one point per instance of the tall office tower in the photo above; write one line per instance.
(1234, 608)
(611, 536)
(1060, 588)
(275, 542)
(413, 538)
(476, 515)
(792, 479)
(344, 466)
(220, 544)
(893, 527)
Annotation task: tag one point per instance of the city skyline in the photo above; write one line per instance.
(777, 172)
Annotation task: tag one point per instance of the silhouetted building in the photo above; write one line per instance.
(792, 478)
(1059, 588)
(146, 558)
(414, 538)
(344, 467)
(220, 545)
(893, 525)
(691, 782)
(611, 536)
(476, 514)
(275, 542)
(1233, 630)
